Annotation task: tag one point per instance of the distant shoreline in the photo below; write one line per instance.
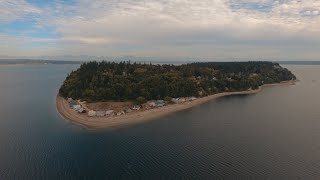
(9, 62)
(142, 116)
(12, 64)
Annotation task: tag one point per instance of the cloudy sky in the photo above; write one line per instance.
(214, 29)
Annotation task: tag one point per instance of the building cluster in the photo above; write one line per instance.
(183, 100)
(76, 106)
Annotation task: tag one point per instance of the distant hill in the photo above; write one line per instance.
(300, 62)
(29, 61)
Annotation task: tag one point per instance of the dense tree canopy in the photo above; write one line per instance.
(103, 81)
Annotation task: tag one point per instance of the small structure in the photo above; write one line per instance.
(73, 103)
(159, 103)
(69, 99)
(146, 106)
(119, 113)
(175, 100)
(151, 103)
(127, 110)
(192, 98)
(100, 113)
(92, 113)
(136, 107)
(76, 107)
(182, 100)
(81, 110)
(109, 113)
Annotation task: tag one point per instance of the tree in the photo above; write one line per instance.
(121, 81)
(88, 93)
(141, 100)
(168, 99)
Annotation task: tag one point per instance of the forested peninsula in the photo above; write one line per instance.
(126, 81)
(114, 94)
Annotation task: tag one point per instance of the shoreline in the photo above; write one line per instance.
(96, 123)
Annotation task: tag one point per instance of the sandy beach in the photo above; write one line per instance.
(141, 116)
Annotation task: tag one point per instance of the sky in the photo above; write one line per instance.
(212, 29)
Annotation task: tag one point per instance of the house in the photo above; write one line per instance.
(159, 103)
(100, 113)
(92, 113)
(127, 110)
(81, 110)
(136, 107)
(76, 107)
(146, 106)
(152, 103)
(73, 103)
(182, 100)
(109, 112)
(119, 113)
(175, 100)
(69, 99)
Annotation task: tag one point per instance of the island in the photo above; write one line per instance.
(115, 94)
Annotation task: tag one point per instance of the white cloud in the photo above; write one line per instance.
(15, 9)
(208, 28)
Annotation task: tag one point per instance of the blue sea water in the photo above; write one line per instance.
(271, 135)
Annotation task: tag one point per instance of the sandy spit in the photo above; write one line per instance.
(140, 116)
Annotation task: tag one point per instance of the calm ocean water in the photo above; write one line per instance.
(271, 135)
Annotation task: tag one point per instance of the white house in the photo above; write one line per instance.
(92, 113)
(175, 100)
(100, 113)
(76, 107)
(136, 107)
(109, 112)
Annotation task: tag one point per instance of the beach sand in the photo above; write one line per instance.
(140, 116)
